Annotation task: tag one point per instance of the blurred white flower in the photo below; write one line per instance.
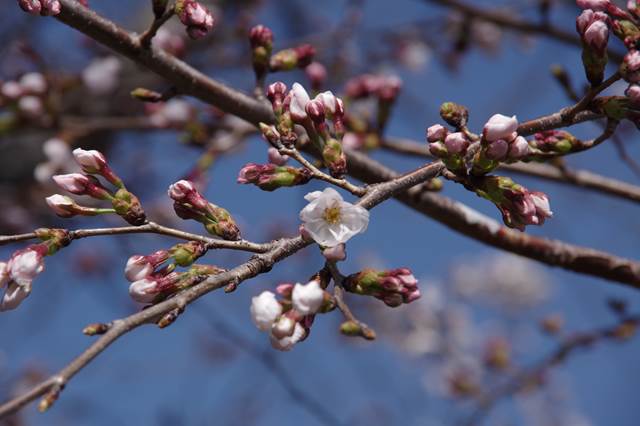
(307, 298)
(265, 308)
(101, 76)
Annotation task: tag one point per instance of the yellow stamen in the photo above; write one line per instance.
(331, 215)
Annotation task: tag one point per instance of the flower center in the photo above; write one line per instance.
(331, 215)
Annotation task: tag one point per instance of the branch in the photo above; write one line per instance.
(507, 20)
(149, 228)
(582, 178)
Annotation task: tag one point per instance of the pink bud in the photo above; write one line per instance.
(276, 90)
(75, 183)
(500, 127)
(137, 268)
(62, 205)
(519, 148)
(597, 35)
(197, 18)
(543, 207)
(91, 161)
(299, 100)
(180, 190)
(13, 296)
(304, 54)
(456, 143)
(276, 158)
(497, 150)
(11, 90)
(25, 264)
(260, 36)
(336, 253)
(317, 74)
(315, 111)
(33, 83)
(144, 290)
(436, 133)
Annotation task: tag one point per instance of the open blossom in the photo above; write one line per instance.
(307, 298)
(265, 308)
(500, 127)
(286, 343)
(330, 220)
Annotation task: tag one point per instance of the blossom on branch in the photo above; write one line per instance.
(308, 298)
(330, 220)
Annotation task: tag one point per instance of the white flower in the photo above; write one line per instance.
(24, 265)
(101, 75)
(91, 161)
(264, 310)
(330, 220)
(299, 100)
(286, 343)
(14, 295)
(143, 291)
(500, 127)
(138, 268)
(33, 82)
(307, 299)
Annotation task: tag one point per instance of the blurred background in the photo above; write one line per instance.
(478, 322)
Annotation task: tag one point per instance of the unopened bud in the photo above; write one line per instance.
(454, 114)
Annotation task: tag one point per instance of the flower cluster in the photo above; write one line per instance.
(519, 206)
(197, 19)
(394, 287)
(331, 221)
(288, 321)
(270, 177)
(190, 204)
(92, 162)
(41, 7)
(27, 95)
(18, 273)
(149, 284)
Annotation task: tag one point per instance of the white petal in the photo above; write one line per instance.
(14, 295)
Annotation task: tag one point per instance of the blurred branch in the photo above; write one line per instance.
(528, 377)
(508, 21)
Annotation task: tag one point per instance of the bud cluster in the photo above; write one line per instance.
(557, 141)
(384, 88)
(92, 162)
(190, 204)
(17, 274)
(315, 115)
(288, 320)
(519, 206)
(394, 287)
(149, 284)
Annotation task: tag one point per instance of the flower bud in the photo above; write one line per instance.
(307, 299)
(456, 143)
(185, 254)
(288, 59)
(270, 177)
(128, 207)
(287, 343)
(184, 191)
(593, 4)
(630, 68)
(519, 148)
(336, 253)
(146, 95)
(558, 141)
(94, 162)
(500, 127)
(317, 75)
(436, 133)
(633, 93)
(41, 7)
(33, 83)
(276, 158)
(197, 18)
(315, 111)
(79, 184)
(297, 106)
(497, 150)
(454, 114)
(334, 158)
(64, 206)
(144, 290)
(265, 309)
(393, 287)
(283, 327)
(220, 223)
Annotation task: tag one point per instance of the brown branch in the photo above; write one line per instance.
(507, 20)
(149, 228)
(581, 178)
(258, 264)
(524, 378)
(475, 225)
